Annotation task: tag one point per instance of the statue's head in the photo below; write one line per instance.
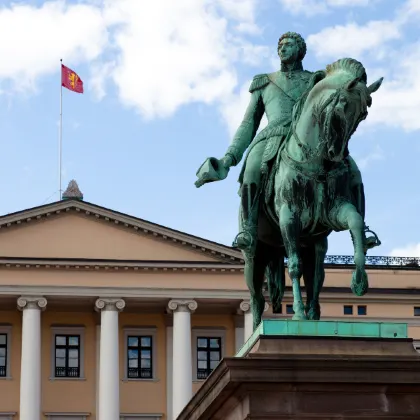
(291, 48)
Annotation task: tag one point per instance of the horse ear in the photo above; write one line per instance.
(375, 85)
(350, 85)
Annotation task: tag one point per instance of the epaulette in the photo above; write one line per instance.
(258, 82)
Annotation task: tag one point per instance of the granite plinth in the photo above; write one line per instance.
(365, 373)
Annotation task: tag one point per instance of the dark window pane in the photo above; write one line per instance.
(361, 310)
(202, 364)
(2, 351)
(289, 309)
(213, 364)
(60, 353)
(145, 363)
(214, 355)
(73, 353)
(146, 341)
(3, 339)
(202, 342)
(214, 343)
(202, 355)
(133, 363)
(417, 311)
(73, 341)
(73, 363)
(145, 354)
(133, 354)
(133, 341)
(60, 340)
(60, 362)
(2, 361)
(348, 310)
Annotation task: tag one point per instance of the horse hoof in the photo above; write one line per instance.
(314, 315)
(359, 282)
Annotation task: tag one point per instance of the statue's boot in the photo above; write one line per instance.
(359, 198)
(247, 238)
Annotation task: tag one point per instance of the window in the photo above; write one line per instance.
(348, 310)
(208, 350)
(67, 353)
(67, 356)
(417, 311)
(209, 354)
(140, 354)
(361, 310)
(7, 416)
(3, 355)
(289, 309)
(67, 416)
(141, 416)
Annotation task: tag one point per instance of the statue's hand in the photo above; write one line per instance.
(213, 170)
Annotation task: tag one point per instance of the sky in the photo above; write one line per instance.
(166, 85)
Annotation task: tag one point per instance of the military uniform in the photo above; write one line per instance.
(275, 95)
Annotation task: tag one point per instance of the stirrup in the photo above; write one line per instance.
(250, 241)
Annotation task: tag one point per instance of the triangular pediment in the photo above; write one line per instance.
(79, 230)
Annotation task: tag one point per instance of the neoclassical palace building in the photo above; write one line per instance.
(102, 312)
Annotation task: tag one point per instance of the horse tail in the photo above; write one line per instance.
(275, 275)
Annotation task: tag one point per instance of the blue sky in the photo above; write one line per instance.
(166, 85)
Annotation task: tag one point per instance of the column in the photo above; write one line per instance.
(30, 371)
(239, 332)
(169, 364)
(109, 361)
(245, 308)
(182, 354)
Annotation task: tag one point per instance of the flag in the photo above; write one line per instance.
(71, 80)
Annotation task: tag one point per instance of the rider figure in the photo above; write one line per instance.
(274, 94)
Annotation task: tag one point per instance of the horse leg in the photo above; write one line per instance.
(276, 281)
(254, 276)
(308, 274)
(320, 250)
(289, 226)
(348, 218)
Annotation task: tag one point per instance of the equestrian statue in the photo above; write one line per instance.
(299, 182)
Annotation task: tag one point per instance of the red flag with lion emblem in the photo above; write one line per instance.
(71, 80)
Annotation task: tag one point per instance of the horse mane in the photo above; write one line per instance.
(349, 65)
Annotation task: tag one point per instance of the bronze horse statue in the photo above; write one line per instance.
(308, 194)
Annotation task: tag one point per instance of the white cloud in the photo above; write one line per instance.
(352, 40)
(397, 102)
(161, 55)
(410, 250)
(315, 7)
(32, 40)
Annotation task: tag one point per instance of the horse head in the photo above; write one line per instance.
(338, 104)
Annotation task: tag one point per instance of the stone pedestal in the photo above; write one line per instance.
(285, 373)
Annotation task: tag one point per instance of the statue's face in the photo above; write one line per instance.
(288, 50)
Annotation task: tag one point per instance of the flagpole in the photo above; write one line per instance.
(60, 137)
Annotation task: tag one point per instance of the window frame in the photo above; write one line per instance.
(67, 416)
(7, 330)
(68, 331)
(207, 333)
(289, 305)
(348, 306)
(416, 308)
(141, 332)
(361, 306)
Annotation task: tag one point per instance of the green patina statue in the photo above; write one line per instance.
(298, 182)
